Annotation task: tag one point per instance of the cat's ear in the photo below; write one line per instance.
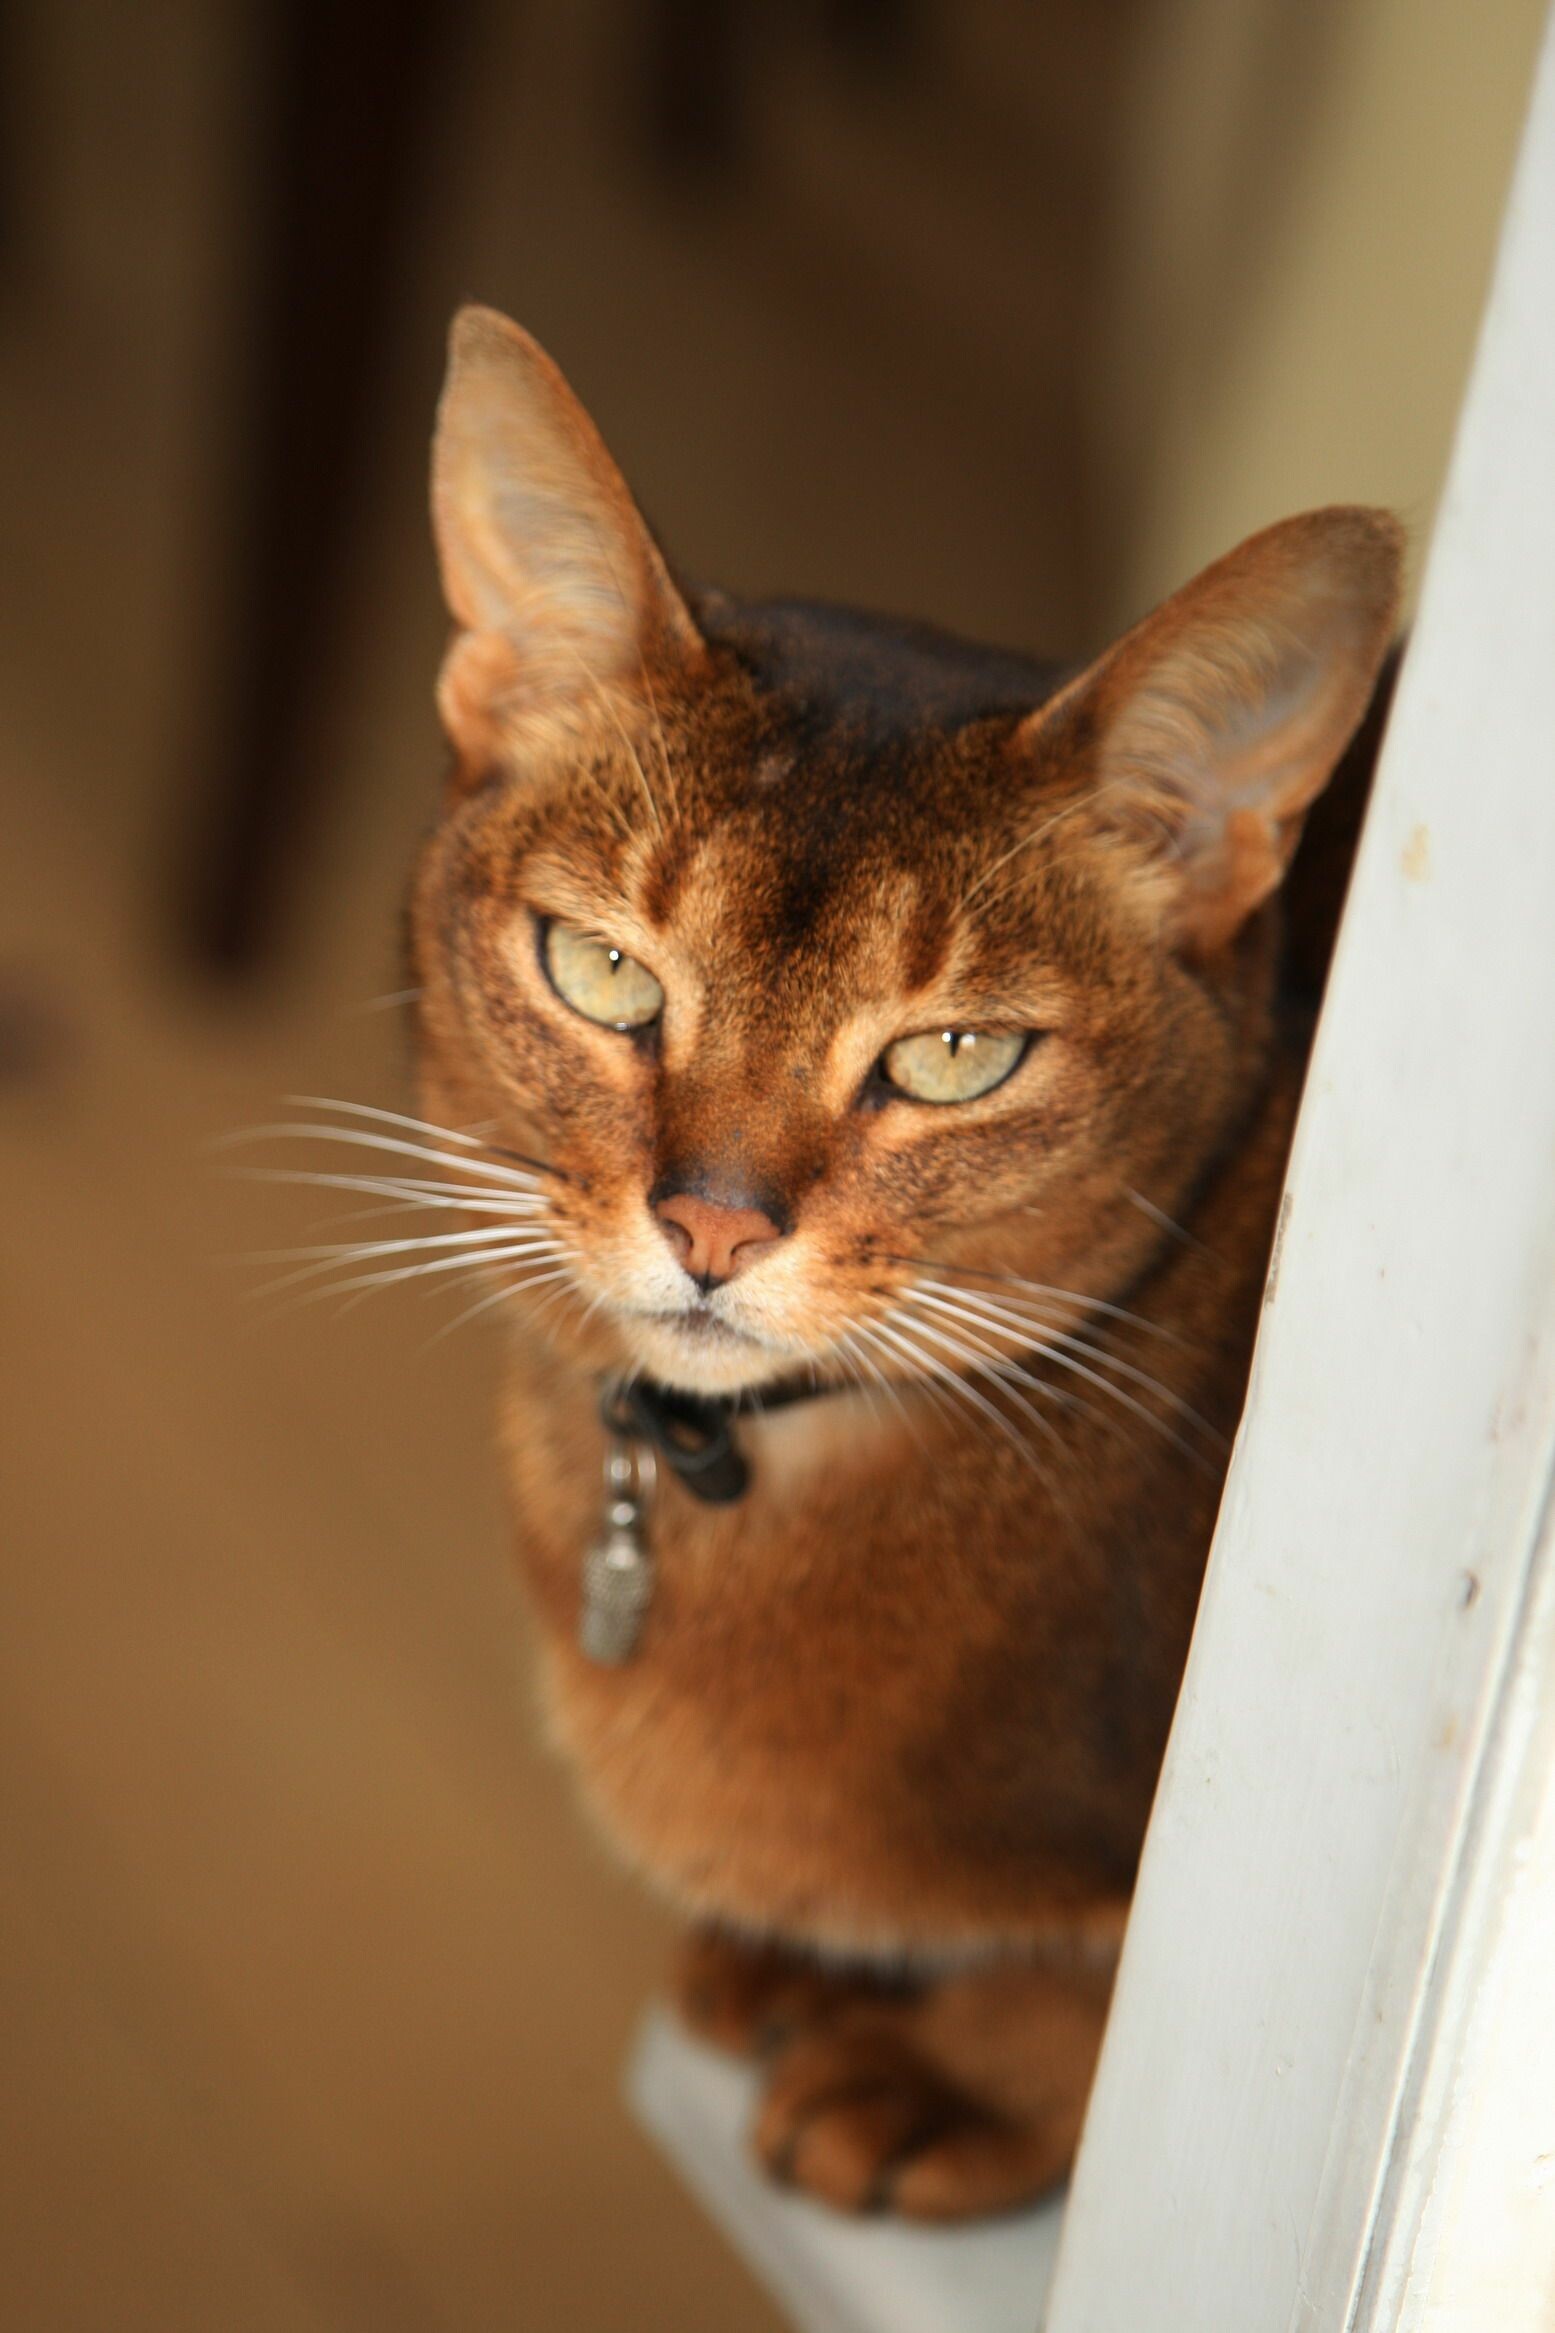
(1213, 725)
(547, 564)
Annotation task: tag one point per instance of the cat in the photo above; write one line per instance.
(876, 1051)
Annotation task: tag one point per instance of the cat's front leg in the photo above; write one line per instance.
(963, 2098)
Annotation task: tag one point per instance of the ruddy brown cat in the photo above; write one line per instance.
(840, 1014)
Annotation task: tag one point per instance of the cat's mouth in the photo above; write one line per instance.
(706, 1327)
(698, 1348)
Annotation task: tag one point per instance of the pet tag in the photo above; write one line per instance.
(618, 1569)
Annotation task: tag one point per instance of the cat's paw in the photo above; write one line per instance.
(752, 1998)
(856, 2117)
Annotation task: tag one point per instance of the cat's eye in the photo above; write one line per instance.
(602, 983)
(951, 1065)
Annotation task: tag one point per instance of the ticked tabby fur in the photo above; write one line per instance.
(890, 1735)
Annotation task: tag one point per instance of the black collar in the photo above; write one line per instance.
(693, 1432)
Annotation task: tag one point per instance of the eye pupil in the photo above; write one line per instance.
(955, 1040)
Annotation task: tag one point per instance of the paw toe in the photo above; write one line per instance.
(859, 2120)
(976, 2166)
(840, 2114)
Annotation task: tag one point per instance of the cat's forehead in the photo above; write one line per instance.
(838, 877)
(837, 769)
(832, 890)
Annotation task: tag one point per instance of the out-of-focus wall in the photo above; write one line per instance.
(1306, 218)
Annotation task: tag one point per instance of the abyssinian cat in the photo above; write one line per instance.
(864, 1056)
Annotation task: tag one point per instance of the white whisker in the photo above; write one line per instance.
(459, 1196)
(1164, 1222)
(1001, 1370)
(867, 1372)
(897, 1333)
(1001, 1362)
(519, 1287)
(384, 1117)
(1019, 1320)
(384, 1004)
(1015, 1290)
(363, 1138)
(1058, 1346)
(364, 1250)
(913, 1374)
(538, 1246)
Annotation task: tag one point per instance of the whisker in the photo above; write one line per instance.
(1006, 1376)
(914, 1374)
(1020, 1319)
(560, 1295)
(1005, 1364)
(1007, 1281)
(1006, 1369)
(1026, 842)
(394, 1207)
(1164, 1222)
(387, 1003)
(385, 1117)
(462, 1197)
(897, 1334)
(344, 1253)
(1084, 801)
(362, 1138)
(998, 1371)
(481, 1272)
(936, 1376)
(1048, 1344)
(462, 1262)
(868, 1374)
(366, 1249)
(520, 1287)
(471, 1273)
(593, 1305)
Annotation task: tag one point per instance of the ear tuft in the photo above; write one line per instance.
(1221, 717)
(546, 562)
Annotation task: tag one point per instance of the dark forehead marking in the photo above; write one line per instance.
(880, 679)
(841, 754)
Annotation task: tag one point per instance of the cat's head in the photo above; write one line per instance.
(805, 954)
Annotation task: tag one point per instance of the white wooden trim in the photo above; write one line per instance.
(1275, 2140)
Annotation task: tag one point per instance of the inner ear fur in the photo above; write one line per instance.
(550, 572)
(1219, 719)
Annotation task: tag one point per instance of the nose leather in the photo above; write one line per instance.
(711, 1241)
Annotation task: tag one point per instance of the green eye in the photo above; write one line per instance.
(951, 1065)
(600, 982)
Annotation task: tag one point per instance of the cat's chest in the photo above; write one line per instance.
(781, 1598)
(806, 1726)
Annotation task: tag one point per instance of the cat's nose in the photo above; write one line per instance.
(713, 1242)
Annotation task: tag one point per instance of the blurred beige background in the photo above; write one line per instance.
(314, 1989)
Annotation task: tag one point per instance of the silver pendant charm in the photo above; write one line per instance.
(618, 1569)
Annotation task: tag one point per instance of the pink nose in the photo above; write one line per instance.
(712, 1242)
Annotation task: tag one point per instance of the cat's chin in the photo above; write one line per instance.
(698, 1353)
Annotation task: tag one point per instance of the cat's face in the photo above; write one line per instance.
(798, 960)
